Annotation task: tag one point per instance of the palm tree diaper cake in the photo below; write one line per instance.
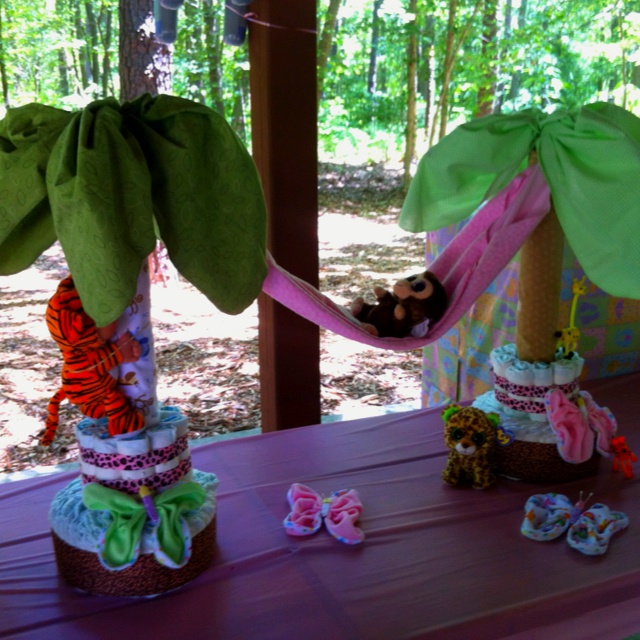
(106, 182)
(549, 430)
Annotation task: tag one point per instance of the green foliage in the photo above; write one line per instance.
(545, 54)
(49, 49)
(548, 55)
(338, 141)
(357, 120)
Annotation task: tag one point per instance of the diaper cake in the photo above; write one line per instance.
(550, 430)
(139, 520)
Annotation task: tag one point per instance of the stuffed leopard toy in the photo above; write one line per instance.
(469, 433)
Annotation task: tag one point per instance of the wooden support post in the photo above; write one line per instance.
(282, 53)
(539, 288)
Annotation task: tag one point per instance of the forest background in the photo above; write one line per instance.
(394, 76)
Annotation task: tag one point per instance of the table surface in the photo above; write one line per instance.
(437, 562)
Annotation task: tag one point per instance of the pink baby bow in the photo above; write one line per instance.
(579, 425)
(340, 511)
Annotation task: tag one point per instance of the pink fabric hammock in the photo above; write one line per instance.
(466, 267)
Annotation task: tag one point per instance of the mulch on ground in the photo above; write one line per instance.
(208, 362)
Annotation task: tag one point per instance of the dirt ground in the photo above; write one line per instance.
(207, 361)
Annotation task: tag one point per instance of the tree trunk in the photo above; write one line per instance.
(145, 64)
(213, 40)
(241, 101)
(621, 34)
(3, 66)
(326, 39)
(539, 289)
(105, 38)
(517, 76)
(64, 64)
(76, 68)
(373, 50)
(93, 58)
(193, 43)
(452, 48)
(81, 59)
(412, 73)
(144, 67)
(500, 91)
(449, 57)
(487, 90)
(427, 72)
(63, 72)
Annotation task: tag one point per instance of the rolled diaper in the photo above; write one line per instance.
(87, 469)
(509, 348)
(168, 410)
(107, 474)
(133, 446)
(542, 374)
(501, 361)
(182, 426)
(579, 364)
(162, 436)
(85, 440)
(105, 446)
(170, 415)
(138, 474)
(520, 372)
(167, 466)
(564, 371)
(87, 430)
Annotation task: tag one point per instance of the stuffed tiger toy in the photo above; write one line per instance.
(87, 360)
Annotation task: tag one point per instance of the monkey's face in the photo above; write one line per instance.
(418, 286)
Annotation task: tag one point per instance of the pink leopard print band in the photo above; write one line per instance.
(157, 481)
(123, 462)
(529, 399)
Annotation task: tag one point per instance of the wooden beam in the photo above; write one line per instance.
(282, 53)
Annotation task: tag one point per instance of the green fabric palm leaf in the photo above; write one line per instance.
(27, 136)
(99, 189)
(591, 160)
(207, 198)
(103, 179)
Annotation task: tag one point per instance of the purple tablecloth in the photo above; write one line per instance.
(438, 562)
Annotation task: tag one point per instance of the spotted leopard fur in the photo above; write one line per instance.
(469, 434)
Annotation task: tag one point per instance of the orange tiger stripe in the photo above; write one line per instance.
(51, 423)
(86, 381)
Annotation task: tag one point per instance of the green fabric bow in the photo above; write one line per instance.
(123, 535)
(106, 180)
(591, 160)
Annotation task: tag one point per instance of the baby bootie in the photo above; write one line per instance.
(593, 530)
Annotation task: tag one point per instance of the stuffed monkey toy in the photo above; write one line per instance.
(413, 300)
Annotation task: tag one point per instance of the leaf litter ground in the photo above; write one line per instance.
(208, 362)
